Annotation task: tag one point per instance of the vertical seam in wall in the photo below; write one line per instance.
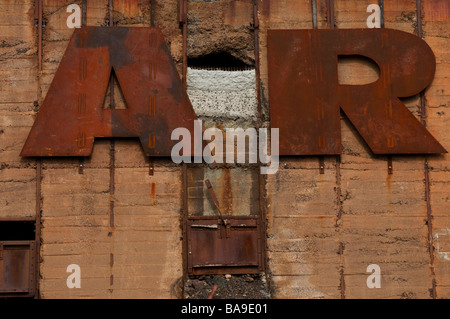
(38, 224)
(321, 158)
(257, 62)
(184, 191)
(388, 157)
(183, 21)
(262, 179)
(111, 166)
(423, 116)
(331, 25)
(152, 12)
(39, 9)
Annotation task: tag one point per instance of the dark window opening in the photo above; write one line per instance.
(219, 61)
(17, 230)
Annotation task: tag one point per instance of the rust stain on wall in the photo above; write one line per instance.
(153, 192)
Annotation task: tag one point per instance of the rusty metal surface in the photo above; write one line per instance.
(17, 267)
(215, 248)
(72, 114)
(305, 95)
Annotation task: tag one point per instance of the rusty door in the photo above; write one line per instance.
(231, 245)
(223, 243)
(17, 268)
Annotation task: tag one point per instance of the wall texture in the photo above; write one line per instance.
(220, 93)
(122, 225)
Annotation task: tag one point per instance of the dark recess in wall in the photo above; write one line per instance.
(17, 230)
(219, 60)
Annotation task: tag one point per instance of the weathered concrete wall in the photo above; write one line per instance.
(140, 255)
(18, 91)
(356, 214)
(437, 17)
(323, 230)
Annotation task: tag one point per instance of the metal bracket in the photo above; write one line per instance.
(182, 17)
(81, 166)
(322, 164)
(36, 22)
(389, 165)
(151, 168)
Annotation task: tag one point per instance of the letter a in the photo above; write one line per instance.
(74, 279)
(374, 280)
(74, 20)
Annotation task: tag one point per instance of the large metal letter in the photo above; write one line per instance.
(72, 114)
(305, 95)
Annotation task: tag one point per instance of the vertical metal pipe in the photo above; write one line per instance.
(331, 25)
(184, 218)
(152, 12)
(330, 6)
(83, 23)
(314, 20)
(381, 5)
(257, 61)
(423, 116)
(314, 13)
(390, 165)
(183, 21)
(111, 183)
(38, 225)
(261, 178)
(182, 18)
(112, 145)
(111, 14)
(38, 11)
(39, 21)
(83, 12)
(111, 161)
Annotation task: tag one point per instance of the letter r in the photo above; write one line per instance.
(306, 98)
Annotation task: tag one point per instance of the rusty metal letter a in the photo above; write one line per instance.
(72, 114)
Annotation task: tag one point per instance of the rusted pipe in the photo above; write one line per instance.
(390, 166)
(38, 223)
(213, 291)
(83, 12)
(184, 218)
(111, 13)
(184, 22)
(381, 5)
(257, 61)
(314, 13)
(330, 16)
(38, 4)
(152, 12)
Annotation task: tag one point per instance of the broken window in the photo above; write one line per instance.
(17, 258)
